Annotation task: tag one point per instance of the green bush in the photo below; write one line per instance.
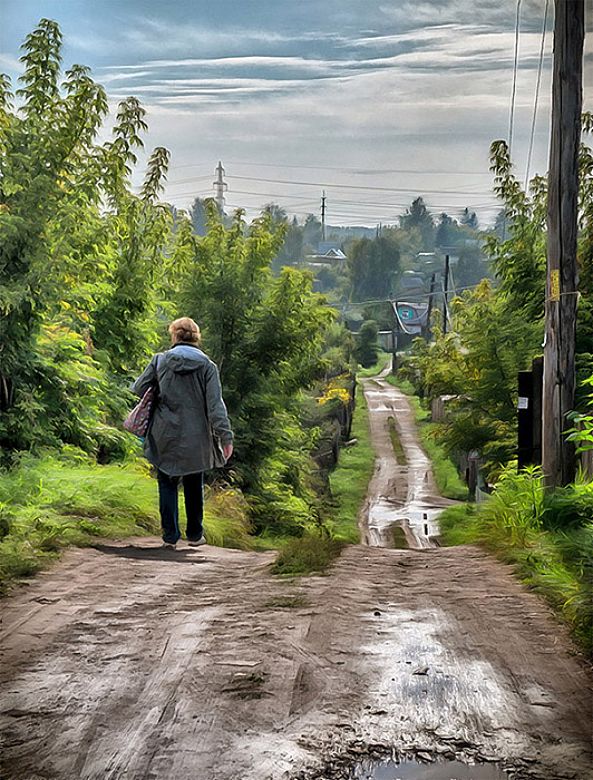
(311, 553)
(568, 507)
(367, 348)
(457, 525)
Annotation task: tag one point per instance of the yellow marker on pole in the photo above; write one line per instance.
(555, 285)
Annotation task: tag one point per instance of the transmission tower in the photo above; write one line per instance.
(220, 187)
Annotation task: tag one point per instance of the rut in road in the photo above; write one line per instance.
(127, 661)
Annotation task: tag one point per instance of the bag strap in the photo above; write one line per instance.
(157, 387)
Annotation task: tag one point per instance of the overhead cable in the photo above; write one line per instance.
(536, 97)
(515, 69)
(352, 186)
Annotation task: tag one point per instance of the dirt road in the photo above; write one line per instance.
(127, 661)
(402, 491)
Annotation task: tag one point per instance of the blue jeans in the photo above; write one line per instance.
(193, 490)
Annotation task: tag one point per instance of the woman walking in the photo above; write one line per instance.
(189, 417)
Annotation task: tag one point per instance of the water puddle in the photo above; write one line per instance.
(414, 770)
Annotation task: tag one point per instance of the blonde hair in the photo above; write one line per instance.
(185, 330)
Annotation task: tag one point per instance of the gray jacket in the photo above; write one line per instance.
(179, 440)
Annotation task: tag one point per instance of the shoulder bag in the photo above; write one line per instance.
(139, 419)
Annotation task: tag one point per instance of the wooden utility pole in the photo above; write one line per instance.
(323, 199)
(430, 305)
(394, 332)
(445, 290)
(558, 456)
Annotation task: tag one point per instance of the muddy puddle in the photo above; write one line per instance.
(414, 770)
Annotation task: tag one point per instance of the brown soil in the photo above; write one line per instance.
(128, 661)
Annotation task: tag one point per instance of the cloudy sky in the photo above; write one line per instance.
(375, 101)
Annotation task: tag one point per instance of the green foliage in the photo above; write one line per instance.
(458, 525)
(582, 431)
(311, 553)
(90, 274)
(445, 472)
(584, 342)
(367, 347)
(417, 217)
(78, 252)
(383, 360)
(568, 507)
(267, 335)
(520, 259)
(50, 502)
(548, 536)
(498, 330)
(349, 480)
(478, 363)
(373, 267)
(226, 519)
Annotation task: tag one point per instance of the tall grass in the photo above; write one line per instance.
(350, 479)
(547, 536)
(311, 553)
(54, 501)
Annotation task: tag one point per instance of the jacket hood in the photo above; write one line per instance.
(183, 359)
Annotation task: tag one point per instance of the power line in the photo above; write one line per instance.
(515, 69)
(340, 201)
(536, 98)
(411, 190)
(408, 297)
(189, 181)
(399, 319)
(356, 171)
(378, 207)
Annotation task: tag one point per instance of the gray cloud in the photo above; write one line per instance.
(370, 84)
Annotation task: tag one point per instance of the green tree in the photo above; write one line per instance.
(478, 362)
(417, 216)
(199, 216)
(141, 230)
(447, 232)
(469, 219)
(519, 261)
(61, 192)
(311, 233)
(584, 344)
(367, 348)
(266, 334)
(373, 267)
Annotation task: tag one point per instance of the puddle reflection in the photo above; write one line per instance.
(440, 770)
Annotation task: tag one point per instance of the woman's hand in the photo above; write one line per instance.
(227, 450)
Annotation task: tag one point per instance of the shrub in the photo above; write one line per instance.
(367, 348)
(311, 553)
